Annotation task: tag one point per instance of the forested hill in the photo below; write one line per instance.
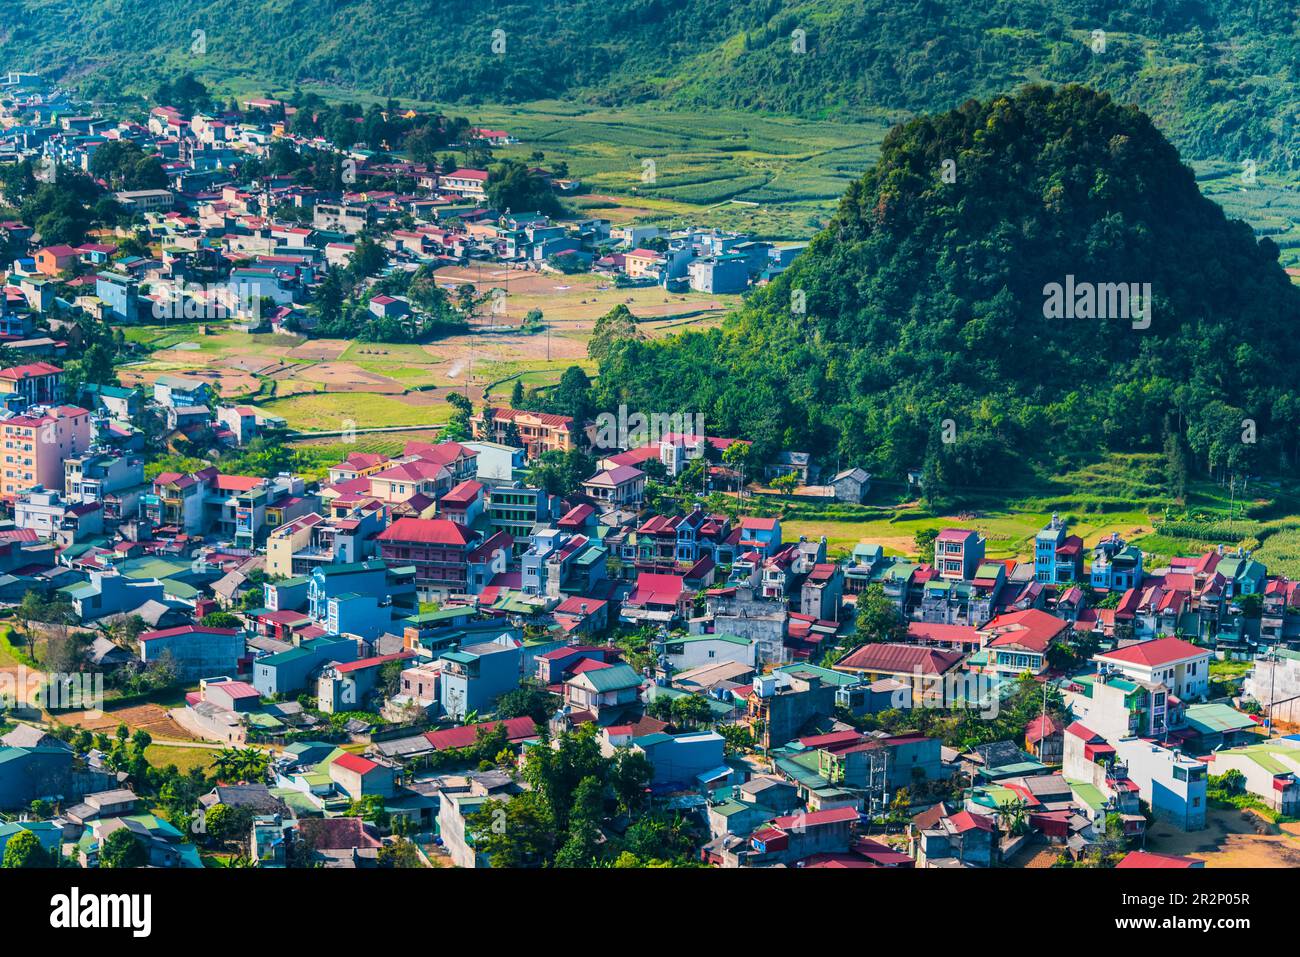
(1219, 76)
(923, 302)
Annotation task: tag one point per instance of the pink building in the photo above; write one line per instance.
(36, 445)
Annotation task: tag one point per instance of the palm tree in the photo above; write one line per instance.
(228, 763)
(254, 763)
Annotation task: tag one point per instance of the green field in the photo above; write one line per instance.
(776, 177)
(161, 755)
(327, 411)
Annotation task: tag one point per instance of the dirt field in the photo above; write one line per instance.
(1231, 838)
(151, 717)
(321, 382)
(20, 682)
(346, 377)
(228, 381)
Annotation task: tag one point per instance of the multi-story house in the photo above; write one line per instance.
(1116, 565)
(266, 506)
(418, 482)
(1280, 616)
(464, 503)
(37, 444)
(517, 509)
(38, 383)
(348, 598)
(438, 549)
(1058, 555)
(537, 432)
(1099, 781)
(114, 479)
(469, 183)
(556, 559)
(1242, 574)
(958, 553)
(51, 516)
(761, 534)
(301, 544)
(822, 592)
(602, 689)
(242, 508)
(179, 392)
(1018, 642)
(198, 651)
(1179, 665)
(958, 602)
(1118, 706)
(287, 672)
(620, 486)
(474, 676)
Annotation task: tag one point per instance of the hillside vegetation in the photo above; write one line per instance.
(913, 329)
(1219, 76)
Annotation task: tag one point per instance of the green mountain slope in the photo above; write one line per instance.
(918, 314)
(1217, 75)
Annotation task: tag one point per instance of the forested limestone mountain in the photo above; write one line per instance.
(1218, 76)
(923, 311)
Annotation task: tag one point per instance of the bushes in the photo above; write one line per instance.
(1224, 531)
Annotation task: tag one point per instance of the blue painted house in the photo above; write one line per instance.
(474, 676)
(289, 671)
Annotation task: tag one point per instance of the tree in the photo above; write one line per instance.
(924, 542)
(878, 618)
(400, 853)
(691, 710)
(511, 185)
(516, 833)
(227, 824)
(367, 259)
(786, 484)
(736, 455)
(122, 849)
(222, 619)
(24, 850)
(529, 699)
(390, 678)
(660, 707)
(629, 778)
(583, 844)
(572, 396)
(554, 772)
(611, 330)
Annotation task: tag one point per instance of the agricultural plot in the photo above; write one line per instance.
(1268, 202)
(776, 177)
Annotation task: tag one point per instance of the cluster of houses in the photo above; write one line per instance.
(271, 240)
(395, 603)
(406, 594)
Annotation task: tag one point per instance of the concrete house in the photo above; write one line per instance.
(474, 676)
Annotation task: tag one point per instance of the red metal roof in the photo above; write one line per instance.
(427, 531)
(1158, 651)
(517, 729)
(355, 763)
(885, 656)
(187, 630)
(839, 815)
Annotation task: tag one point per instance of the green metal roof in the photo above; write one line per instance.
(613, 678)
(1087, 793)
(1217, 718)
(837, 678)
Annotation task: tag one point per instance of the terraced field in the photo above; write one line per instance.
(776, 177)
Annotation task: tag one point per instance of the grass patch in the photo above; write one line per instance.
(324, 411)
(185, 759)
